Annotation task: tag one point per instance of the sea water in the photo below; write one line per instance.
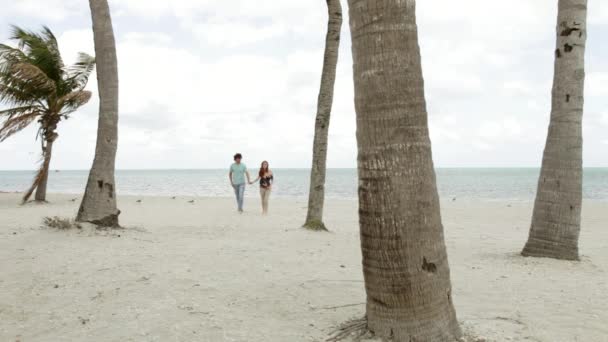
(517, 184)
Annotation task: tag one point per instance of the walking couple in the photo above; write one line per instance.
(238, 171)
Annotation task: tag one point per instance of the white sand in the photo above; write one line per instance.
(201, 272)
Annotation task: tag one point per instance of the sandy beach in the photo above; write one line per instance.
(183, 271)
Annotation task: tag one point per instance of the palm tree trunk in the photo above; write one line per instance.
(405, 265)
(44, 172)
(99, 202)
(316, 197)
(556, 220)
(40, 181)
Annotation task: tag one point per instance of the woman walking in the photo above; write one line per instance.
(266, 179)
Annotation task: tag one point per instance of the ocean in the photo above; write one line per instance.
(516, 184)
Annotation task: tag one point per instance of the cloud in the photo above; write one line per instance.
(201, 79)
(51, 10)
(597, 84)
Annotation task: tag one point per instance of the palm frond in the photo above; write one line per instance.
(30, 77)
(8, 113)
(17, 96)
(53, 48)
(41, 49)
(10, 53)
(16, 123)
(78, 74)
(74, 100)
(34, 83)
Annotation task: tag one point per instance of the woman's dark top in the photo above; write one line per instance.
(266, 181)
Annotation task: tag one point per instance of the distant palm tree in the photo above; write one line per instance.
(36, 85)
(99, 202)
(556, 220)
(316, 196)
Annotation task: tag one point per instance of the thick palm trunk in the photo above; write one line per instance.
(44, 172)
(405, 265)
(99, 202)
(556, 220)
(316, 197)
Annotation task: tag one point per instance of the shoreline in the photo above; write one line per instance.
(252, 195)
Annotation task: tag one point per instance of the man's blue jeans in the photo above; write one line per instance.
(239, 191)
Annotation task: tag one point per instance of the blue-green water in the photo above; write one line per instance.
(462, 183)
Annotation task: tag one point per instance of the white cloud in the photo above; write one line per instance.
(597, 84)
(201, 79)
(604, 119)
(52, 10)
(231, 34)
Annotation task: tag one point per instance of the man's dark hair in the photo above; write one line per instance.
(238, 156)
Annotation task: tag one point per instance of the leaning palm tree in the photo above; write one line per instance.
(316, 196)
(405, 264)
(99, 202)
(556, 220)
(35, 85)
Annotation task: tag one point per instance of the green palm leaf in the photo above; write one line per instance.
(35, 82)
(42, 50)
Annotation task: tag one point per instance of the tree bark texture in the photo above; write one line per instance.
(405, 265)
(556, 219)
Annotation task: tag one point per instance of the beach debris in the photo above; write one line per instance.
(192, 201)
(198, 312)
(342, 266)
(356, 328)
(60, 223)
(56, 286)
(143, 278)
(454, 199)
(84, 321)
(97, 296)
(138, 201)
(340, 306)
(173, 197)
(73, 199)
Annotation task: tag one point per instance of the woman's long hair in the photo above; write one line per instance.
(264, 170)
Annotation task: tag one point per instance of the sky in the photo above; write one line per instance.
(203, 79)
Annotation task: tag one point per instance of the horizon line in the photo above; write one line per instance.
(297, 168)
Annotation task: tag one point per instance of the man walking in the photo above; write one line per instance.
(237, 174)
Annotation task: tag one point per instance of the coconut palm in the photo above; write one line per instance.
(556, 220)
(405, 264)
(99, 202)
(35, 85)
(316, 196)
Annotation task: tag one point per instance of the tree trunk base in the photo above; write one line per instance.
(110, 221)
(35, 202)
(538, 249)
(315, 225)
